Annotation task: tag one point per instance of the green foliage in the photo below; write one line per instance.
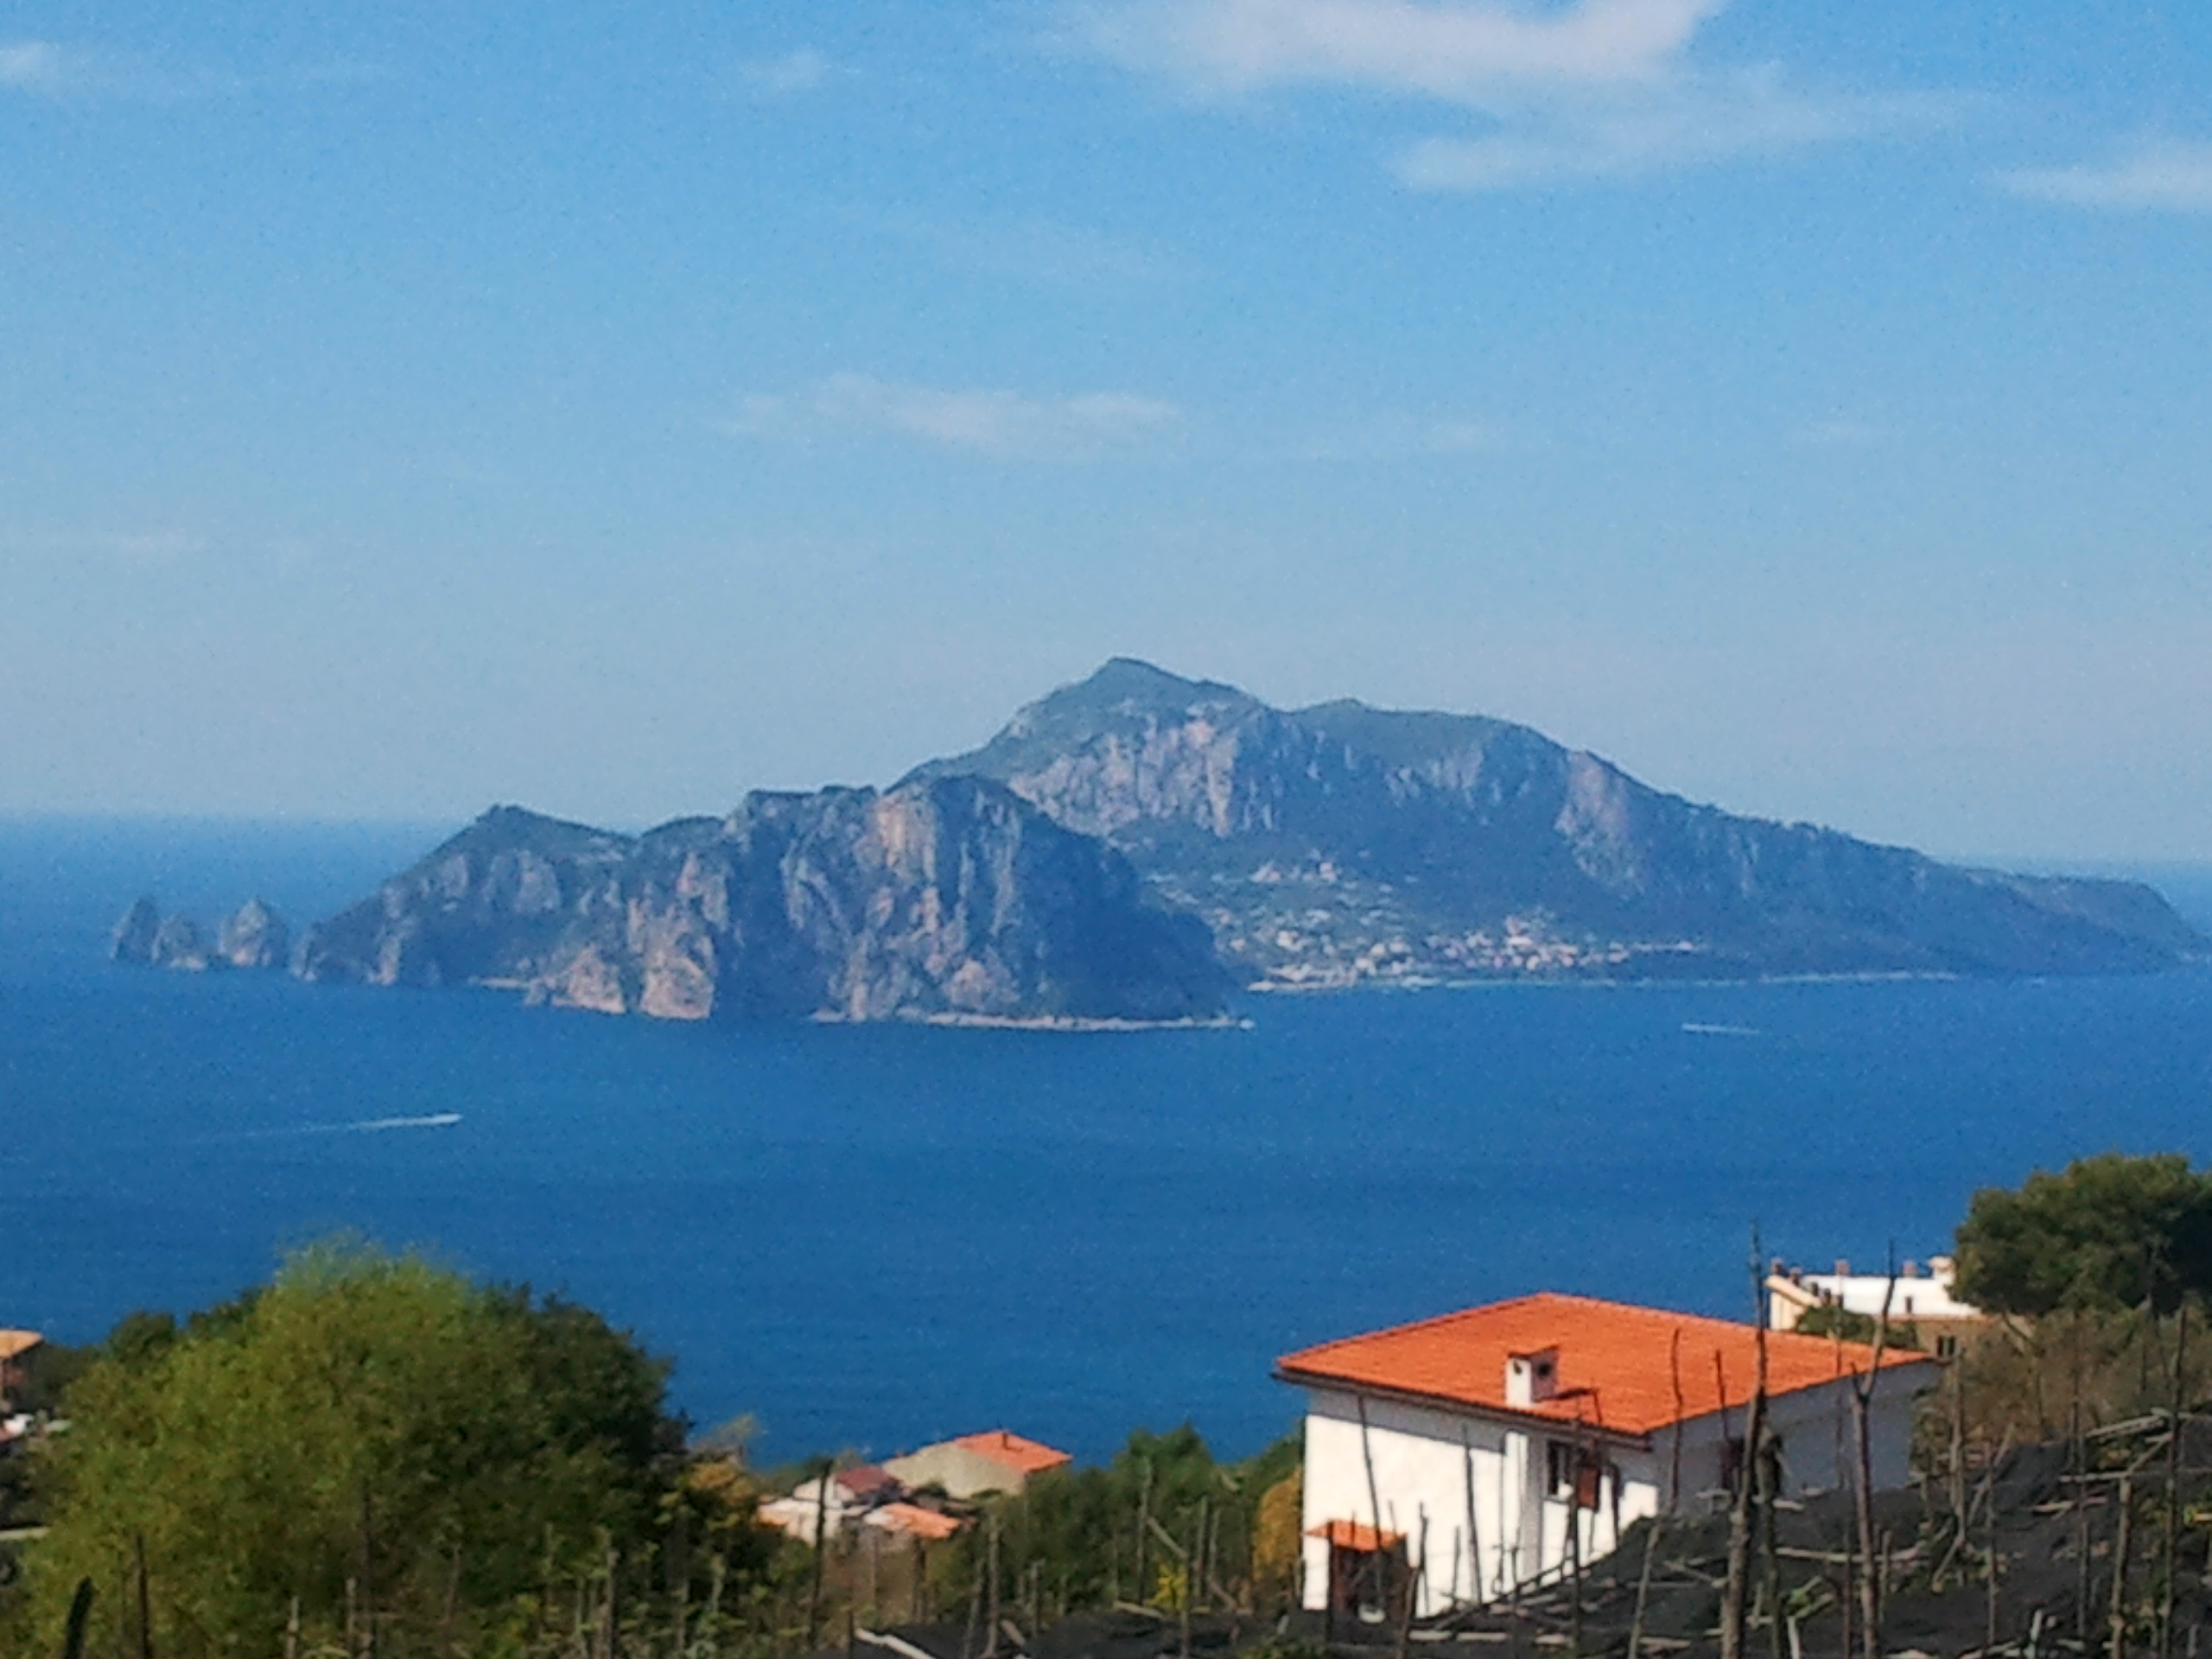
(2106, 1233)
(1832, 1320)
(365, 1419)
(44, 1374)
(1079, 1529)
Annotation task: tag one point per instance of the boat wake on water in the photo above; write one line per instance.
(378, 1125)
(1698, 1029)
(363, 1126)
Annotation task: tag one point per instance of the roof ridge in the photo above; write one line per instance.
(1423, 1324)
(1614, 1359)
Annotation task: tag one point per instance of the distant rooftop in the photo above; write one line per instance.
(1015, 1451)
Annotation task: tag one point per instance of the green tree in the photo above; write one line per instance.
(368, 1430)
(2106, 1233)
(1079, 1529)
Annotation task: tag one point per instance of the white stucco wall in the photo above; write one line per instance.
(1924, 1298)
(1436, 1464)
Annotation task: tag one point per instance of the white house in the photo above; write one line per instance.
(1466, 1447)
(1924, 1300)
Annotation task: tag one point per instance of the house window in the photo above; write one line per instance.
(1947, 1347)
(1571, 1472)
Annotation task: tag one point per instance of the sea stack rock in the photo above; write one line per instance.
(255, 937)
(177, 943)
(133, 938)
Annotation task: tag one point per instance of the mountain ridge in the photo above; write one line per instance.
(951, 900)
(1341, 843)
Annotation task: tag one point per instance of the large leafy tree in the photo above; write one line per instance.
(2105, 1234)
(368, 1431)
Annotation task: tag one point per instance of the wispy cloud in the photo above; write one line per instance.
(1598, 89)
(146, 546)
(996, 424)
(51, 70)
(2150, 176)
(791, 75)
(33, 67)
(1690, 121)
(1445, 50)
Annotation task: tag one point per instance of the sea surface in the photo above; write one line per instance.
(868, 1238)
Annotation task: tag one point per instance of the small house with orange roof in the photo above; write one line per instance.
(16, 1347)
(1488, 1450)
(996, 1460)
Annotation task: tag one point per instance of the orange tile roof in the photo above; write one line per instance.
(1001, 1446)
(15, 1343)
(914, 1520)
(1354, 1535)
(1616, 1363)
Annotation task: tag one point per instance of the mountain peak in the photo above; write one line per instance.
(1131, 685)
(1341, 842)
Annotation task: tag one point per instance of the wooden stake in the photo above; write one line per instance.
(1374, 1503)
(145, 1599)
(1411, 1590)
(821, 1551)
(1474, 1538)
(1872, 1557)
(2173, 1486)
(991, 1586)
(80, 1613)
(2116, 1618)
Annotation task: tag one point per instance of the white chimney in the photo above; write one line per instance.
(1531, 1377)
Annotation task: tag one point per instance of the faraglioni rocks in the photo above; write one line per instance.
(254, 936)
(1341, 844)
(948, 899)
(133, 938)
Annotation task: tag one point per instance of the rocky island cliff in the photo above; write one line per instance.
(1128, 849)
(1341, 844)
(948, 899)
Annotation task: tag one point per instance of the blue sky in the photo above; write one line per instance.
(613, 409)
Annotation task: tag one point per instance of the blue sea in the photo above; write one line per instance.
(870, 1237)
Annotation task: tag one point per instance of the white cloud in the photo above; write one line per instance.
(992, 423)
(1439, 49)
(48, 69)
(1689, 122)
(34, 66)
(789, 76)
(1443, 50)
(2151, 177)
(1597, 89)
